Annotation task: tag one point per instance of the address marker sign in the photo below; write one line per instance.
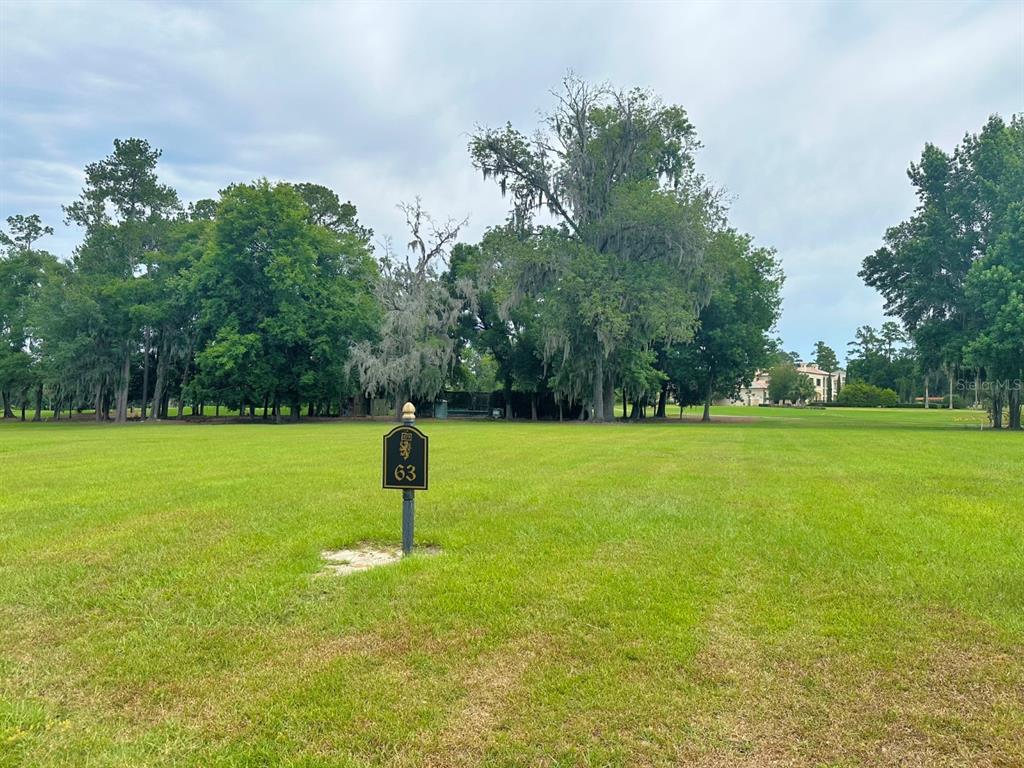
(405, 459)
(405, 468)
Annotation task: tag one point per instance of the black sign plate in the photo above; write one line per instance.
(405, 458)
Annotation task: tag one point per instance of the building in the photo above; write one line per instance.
(757, 392)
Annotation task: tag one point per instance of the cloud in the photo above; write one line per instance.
(810, 113)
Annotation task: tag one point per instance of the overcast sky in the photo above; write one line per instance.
(809, 113)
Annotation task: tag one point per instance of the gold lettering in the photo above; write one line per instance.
(405, 472)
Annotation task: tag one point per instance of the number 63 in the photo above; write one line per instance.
(405, 472)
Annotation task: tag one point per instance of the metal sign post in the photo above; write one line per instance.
(405, 467)
(408, 519)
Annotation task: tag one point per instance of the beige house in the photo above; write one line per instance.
(757, 392)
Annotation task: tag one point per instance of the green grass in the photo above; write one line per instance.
(821, 588)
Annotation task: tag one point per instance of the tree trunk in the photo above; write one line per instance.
(8, 412)
(161, 375)
(266, 402)
(39, 404)
(662, 401)
(1015, 404)
(598, 387)
(533, 407)
(146, 339)
(277, 410)
(997, 408)
(926, 403)
(559, 410)
(184, 382)
(99, 402)
(609, 397)
(951, 388)
(122, 388)
(707, 398)
(400, 401)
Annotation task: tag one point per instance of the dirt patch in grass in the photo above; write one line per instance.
(341, 562)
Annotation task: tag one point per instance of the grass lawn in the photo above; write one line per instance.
(819, 588)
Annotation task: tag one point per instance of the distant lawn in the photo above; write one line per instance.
(820, 588)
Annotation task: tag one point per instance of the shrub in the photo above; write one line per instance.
(859, 394)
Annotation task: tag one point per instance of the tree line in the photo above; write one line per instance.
(274, 298)
(953, 273)
(249, 300)
(952, 276)
(616, 274)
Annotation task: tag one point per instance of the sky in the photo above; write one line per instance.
(809, 113)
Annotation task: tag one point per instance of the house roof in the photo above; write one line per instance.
(812, 369)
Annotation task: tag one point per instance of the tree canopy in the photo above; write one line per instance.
(626, 262)
(948, 273)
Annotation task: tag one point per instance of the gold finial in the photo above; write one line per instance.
(408, 412)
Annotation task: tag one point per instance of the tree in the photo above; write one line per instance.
(825, 358)
(891, 338)
(507, 316)
(282, 300)
(965, 206)
(731, 342)
(326, 210)
(803, 391)
(123, 208)
(24, 272)
(24, 232)
(415, 352)
(615, 170)
(995, 291)
(477, 372)
(787, 383)
(171, 306)
(884, 359)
